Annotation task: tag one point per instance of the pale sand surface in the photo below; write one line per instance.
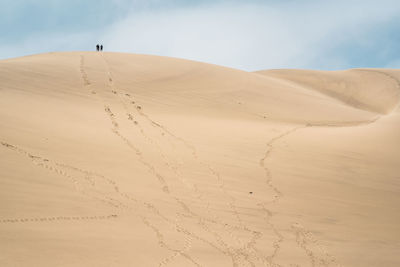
(131, 160)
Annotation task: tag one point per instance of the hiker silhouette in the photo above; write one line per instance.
(97, 47)
(101, 47)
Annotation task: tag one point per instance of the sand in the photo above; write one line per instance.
(112, 159)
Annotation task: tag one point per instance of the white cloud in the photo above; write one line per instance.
(250, 36)
(260, 35)
(47, 43)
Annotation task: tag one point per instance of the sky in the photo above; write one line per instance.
(249, 35)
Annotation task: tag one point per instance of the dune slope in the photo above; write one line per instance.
(374, 90)
(112, 159)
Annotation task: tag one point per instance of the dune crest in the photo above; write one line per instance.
(375, 90)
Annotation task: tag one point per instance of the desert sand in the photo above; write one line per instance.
(111, 159)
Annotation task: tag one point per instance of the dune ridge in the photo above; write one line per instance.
(112, 159)
(377, 95)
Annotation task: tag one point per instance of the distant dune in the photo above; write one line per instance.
(111, 159)
(374, 90)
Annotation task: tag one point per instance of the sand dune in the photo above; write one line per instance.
(374, 90)
(112, 159)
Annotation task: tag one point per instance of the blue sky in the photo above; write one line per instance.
(249, 35)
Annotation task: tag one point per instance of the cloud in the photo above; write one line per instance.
(254, 36)
(49, 43)
(248, 35)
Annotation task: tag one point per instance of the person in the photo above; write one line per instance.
(101, 47)
(97, 47)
